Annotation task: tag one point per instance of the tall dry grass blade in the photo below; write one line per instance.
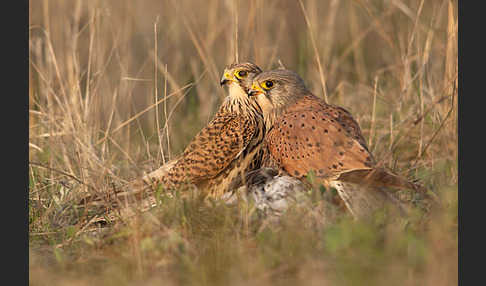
(166, 118)
(56, 66)
(92, 31)
(442, 124)
(32, 120)
(276, 47)
(422, 122)
(168, 76)
(375, 25)
(373, 115)
(316, 52)
(125, 153)
(414, 30)
(359, 61)
(208, 61)
(125, 123)
(46, 18)
(329, 31)
(433, 26)
(35, 147)
(156, 95)
(451, 50)
(110, 120)
(179, 100)
(391, 131)
(405, 9)
(71, 60)
(235, 27)
(407, 62)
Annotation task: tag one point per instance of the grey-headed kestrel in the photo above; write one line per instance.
(306, 135)
(229, 145)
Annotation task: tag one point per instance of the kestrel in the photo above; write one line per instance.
(216, 158)
(306, 135)
(229, 145)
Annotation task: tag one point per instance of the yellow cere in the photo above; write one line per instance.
(228, 76)
(256, 87)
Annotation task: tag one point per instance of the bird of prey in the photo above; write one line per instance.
(230, 143)
(306, 135)
(216, 158)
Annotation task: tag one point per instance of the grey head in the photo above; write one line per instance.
(277, 89)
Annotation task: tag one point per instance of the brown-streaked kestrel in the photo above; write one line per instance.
(218, 156)
(228, 145)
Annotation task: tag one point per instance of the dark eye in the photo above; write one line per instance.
(268, 84)
(242, 74)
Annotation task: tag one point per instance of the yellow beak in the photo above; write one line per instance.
(227, 78)
(255, 90)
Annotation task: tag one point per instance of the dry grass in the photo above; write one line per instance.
(118, 87)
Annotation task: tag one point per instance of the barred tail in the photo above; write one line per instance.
(362, 201)
(379, 177)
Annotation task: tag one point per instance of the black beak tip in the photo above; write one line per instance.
(251, 93)
(223, 82)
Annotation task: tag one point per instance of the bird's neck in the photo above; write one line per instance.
(238, 102)
(270, 119)
(273, 110)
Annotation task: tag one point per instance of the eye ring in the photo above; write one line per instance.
(268, 84)
(241, 74)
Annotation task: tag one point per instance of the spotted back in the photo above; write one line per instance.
(341, 115)
(309, 137)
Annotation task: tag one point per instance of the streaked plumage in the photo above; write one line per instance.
(228, 145)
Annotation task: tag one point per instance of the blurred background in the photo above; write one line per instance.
(118, 87)
(97, 64)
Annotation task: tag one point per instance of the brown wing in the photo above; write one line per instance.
(213, 148)
(312, 140)
(341, 115)
(347, 121)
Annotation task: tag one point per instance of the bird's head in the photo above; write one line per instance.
(240, 75)
(277, 89)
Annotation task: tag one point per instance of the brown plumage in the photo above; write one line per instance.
(228, 145)
(214, 161)
(305, 134)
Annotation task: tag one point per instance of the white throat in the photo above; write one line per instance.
(236, 92)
